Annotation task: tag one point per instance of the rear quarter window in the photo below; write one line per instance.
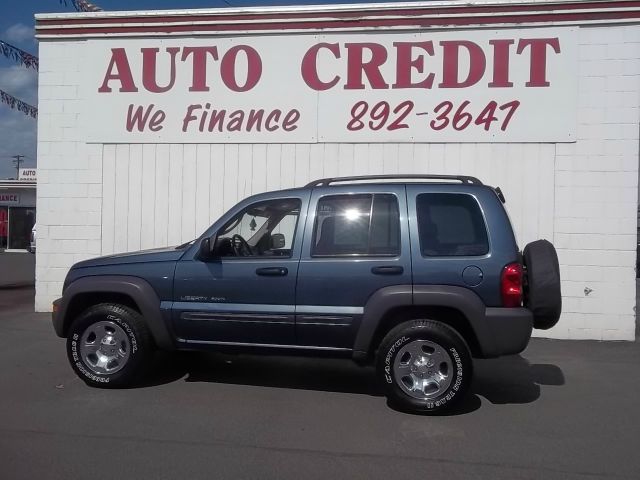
(451, 225)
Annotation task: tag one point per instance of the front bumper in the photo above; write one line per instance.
(57, 318)
(510, 330)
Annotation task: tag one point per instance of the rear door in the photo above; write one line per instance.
(452, 245)
(356, 242)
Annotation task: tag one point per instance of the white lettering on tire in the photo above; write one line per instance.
(89, 375)
(76, 357)
(125, 326)
(456, 385)
(387, 360)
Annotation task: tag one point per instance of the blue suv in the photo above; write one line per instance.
(417, 274)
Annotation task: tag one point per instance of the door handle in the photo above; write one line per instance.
(390, 270)
(272, 271)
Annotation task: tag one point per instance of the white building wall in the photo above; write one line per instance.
(167, 194)
(101, 199)
(69, 195)
(596, 190)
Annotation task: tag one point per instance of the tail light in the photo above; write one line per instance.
(511, 285)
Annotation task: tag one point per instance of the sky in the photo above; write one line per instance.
(17, 130)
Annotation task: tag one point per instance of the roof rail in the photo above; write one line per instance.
(324, 182)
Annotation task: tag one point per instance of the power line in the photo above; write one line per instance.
(17, 162)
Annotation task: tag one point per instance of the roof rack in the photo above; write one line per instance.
(324, 182)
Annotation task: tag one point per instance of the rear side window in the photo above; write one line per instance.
(451, 224)
(357, 225)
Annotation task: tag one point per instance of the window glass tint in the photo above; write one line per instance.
(385, 226)
(348, 225)
(261, 230)
(451, 225)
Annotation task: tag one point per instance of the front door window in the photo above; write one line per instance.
(264, 229)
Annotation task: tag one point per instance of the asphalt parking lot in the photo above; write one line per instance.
(21, 269)
(561, 410)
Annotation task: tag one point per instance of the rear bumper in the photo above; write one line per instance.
(510, 330)
(57, 317)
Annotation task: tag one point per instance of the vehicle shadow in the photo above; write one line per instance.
(506, 380)
(303, 373)
(513, 379)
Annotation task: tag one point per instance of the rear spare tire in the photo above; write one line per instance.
(542, 286)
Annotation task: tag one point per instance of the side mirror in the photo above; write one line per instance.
(278, 241)
(205, 249)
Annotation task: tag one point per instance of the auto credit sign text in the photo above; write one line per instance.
(475, 86)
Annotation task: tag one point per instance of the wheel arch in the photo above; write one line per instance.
(449, 316)
(457, 307)
(133, 292)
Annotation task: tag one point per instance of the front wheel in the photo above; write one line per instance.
(425, 366)
(109, 346)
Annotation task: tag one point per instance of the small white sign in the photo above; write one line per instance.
(9, 198)
(27, 174)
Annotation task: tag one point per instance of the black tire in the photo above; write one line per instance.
(131, 325)
(443, 336)
(542, 294)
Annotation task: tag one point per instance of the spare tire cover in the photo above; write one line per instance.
(542, 286)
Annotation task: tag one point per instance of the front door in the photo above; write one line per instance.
(246, 294)
(356, 242)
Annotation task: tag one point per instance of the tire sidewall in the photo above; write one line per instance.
(543, 294)
(97, 314)
(445, 338)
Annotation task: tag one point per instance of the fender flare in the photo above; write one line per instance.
(459, 298)
(377, 306)
(140, 291)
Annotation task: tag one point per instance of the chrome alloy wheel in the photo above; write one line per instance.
(423, 369)
(105, 347)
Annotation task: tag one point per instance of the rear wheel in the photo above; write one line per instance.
(425, 366)
(109, 346)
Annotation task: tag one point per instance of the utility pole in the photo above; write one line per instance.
(17, 161)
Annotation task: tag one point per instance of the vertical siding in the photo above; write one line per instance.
(189, 192)
(158, 195)
(135, 203)
(204, 164)
(259, 168)
(108, 197)
(162, 196)
(121, 203)
(148, 197)
(175, 197)
(216, 184)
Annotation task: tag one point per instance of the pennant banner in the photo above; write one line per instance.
(17, 104)
(20, 56)
(82, 5)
